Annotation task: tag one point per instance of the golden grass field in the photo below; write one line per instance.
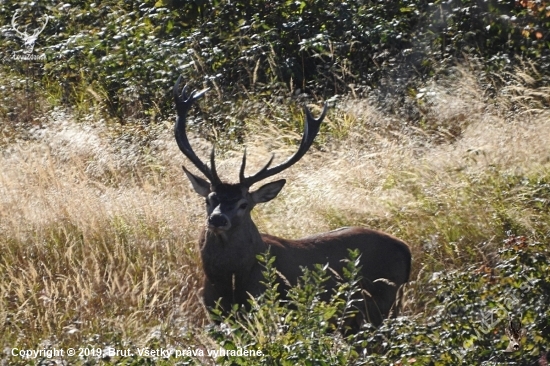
(98, 224)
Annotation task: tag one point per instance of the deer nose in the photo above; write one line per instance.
(219, 221)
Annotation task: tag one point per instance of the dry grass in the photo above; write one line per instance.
(99, 225)
(87, 249)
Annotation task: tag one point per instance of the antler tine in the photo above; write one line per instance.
(37, 32)
(15, 16)
(243, 166)
(311, 128)
(216, 180)
(243, 179)
(184, 102)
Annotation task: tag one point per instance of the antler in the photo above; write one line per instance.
(183, 104)
(24, 34)
(14, 24)
(311, 129)
(38, 31)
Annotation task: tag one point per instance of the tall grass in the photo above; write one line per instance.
(99, 225)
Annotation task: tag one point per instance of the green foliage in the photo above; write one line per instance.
(125, 56)
(497, 30)
(300, 330)
(466, 323)
(472, 310)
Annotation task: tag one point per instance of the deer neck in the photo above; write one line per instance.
(230, 253)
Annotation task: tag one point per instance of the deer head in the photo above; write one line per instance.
(29, 39)
(229, 204)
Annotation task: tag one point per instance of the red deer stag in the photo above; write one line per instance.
(231, 241)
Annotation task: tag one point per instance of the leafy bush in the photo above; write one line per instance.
(473, 308)
(125, 56)
(469, 313)
(300, 330)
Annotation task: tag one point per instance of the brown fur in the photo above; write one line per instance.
(233, 273)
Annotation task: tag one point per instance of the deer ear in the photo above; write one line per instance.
(268, 191)
(200, 185)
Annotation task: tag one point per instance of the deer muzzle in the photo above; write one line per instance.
(218, 221)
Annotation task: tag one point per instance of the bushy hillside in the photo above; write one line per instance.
(122, 57)
(437, 133)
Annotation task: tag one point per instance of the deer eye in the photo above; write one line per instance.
(243, 206)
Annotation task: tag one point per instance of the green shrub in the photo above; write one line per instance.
(125, 56)
(300, 330)
(465, 323)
